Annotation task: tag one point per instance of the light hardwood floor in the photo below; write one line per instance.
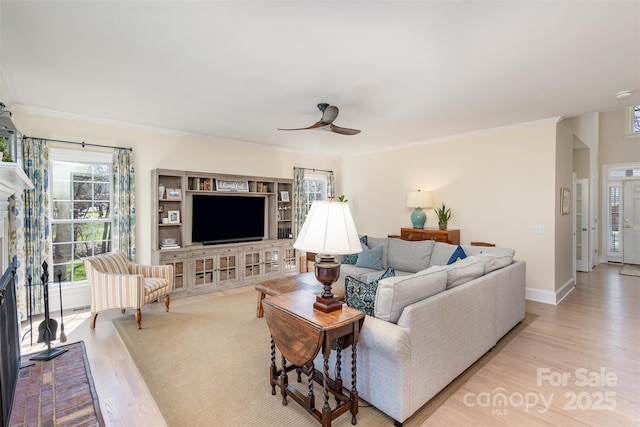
(591, 337)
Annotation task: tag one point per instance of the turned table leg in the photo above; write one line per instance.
(273, 370)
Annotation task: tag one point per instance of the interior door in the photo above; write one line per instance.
(631, 223)
(582, 224)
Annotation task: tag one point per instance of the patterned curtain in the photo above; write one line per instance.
(299, 200)
(31, 241)
(124, 210)
(331, 187)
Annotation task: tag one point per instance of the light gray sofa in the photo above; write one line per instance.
(431, 321)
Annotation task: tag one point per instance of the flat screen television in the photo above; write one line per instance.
(220, 219)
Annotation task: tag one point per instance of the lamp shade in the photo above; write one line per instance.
(419, 199)
(329, 229)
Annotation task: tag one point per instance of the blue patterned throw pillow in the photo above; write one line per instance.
(457, 254)
(353, 258)
(361, 295)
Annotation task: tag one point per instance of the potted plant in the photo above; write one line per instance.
(5, 156)
(444, 214)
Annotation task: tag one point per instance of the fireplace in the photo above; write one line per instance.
(13, 181)
(9, 343)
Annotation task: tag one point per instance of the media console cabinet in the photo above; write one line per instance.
(206, 268)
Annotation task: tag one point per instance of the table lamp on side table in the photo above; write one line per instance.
(328, 230)
(418, 200)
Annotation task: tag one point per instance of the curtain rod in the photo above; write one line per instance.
(84, 144)
(313, 169)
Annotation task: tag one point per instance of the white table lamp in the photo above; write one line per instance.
(328, 230)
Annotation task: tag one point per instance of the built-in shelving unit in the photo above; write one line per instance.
(200, 268)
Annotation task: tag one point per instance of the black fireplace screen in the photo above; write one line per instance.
(9, 343)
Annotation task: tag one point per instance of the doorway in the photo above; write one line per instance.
(581, 192)
(630, 223)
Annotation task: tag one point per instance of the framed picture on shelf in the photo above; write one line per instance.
(173, 193)
(174, 217)
(284, 196)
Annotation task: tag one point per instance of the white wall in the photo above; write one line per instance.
(498, 183)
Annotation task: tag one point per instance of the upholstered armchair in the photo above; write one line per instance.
(117, 283)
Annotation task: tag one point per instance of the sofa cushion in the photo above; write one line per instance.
(442, 252)
(362, 295)
(353, 258)
(372, 242)
(370, 258)
(395, 293)
(464, 270)
(497, 258)
(410, 256)
(457, 254)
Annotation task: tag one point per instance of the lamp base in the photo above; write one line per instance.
(327, 272)
(418, 218)
(327, 305)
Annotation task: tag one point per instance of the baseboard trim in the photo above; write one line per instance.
(565, 290)
(538, 295)
(549, 297)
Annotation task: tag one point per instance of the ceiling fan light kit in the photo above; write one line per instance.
(329, 114)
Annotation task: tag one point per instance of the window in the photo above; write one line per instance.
(613, 208)
(81, 209)
(632, 126)
(315, 187)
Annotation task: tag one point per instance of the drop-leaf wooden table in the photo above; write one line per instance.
(300, 332)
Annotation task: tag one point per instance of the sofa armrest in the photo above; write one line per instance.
(386, 338)
(163, 271)
(160, 271)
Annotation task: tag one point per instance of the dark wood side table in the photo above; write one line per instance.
(446, 236)
(300, 332)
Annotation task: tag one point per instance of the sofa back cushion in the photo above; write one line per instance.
(442, 253)
(464, 270)
(405, 255)
(497, 258)
(395, 293)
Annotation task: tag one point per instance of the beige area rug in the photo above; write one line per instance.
(206, 363)
(630, 270)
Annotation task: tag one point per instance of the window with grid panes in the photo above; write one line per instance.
(81, 210)
(315, 186)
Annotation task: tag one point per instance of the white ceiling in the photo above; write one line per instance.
(402, 72)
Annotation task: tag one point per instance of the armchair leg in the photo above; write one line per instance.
(139, 318)
(166, 302)
(93, 320)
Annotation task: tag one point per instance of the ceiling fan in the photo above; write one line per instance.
(329, 114)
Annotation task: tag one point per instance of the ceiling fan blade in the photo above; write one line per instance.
(313, 126)
(329, 114)
(344, 131)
